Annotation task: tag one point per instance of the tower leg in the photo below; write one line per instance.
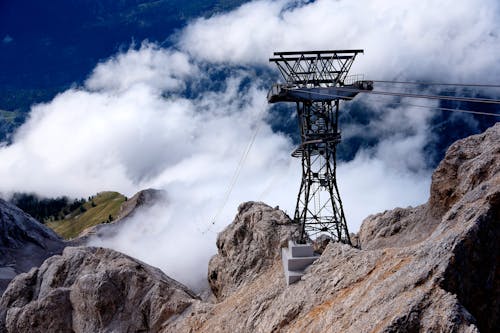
(319, 207)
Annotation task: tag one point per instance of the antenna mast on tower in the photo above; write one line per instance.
(316, 81)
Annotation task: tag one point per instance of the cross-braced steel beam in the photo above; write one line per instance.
(312, 81)
(319, 207)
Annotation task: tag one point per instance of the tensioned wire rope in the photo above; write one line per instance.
(234, 178)
(405, 104)
(402, 94)
(440, 84)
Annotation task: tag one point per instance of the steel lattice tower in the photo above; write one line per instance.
(316, 81)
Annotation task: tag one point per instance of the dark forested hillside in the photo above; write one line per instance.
(45, 46)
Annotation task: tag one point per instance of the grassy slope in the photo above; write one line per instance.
(106, 203)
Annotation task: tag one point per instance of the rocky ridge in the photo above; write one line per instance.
(142, 199)
(432, 268)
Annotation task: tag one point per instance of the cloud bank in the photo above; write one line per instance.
(181, 118)
(417, 39)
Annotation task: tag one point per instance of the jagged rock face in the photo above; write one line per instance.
(248, 246)
(465, 196)
(433, 268)
(396, 228)
(24, 243)
(468, 163)
(92, 290)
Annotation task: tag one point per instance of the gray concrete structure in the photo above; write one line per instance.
(296, 258)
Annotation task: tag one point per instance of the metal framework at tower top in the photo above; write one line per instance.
(316, 81)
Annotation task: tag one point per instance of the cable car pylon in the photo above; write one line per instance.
(316, 81)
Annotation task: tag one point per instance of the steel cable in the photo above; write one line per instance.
(440, 84)
(444, 97)
(406, 104)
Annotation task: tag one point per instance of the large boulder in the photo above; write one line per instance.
(24, 243)
(248, 246)
(90, 289)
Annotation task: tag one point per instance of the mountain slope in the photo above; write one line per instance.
(103, 208)
(127, 210)
(24, 243)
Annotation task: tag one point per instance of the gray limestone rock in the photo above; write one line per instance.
(92, 290)
(248, 246)
(468, 163)
(396, 228)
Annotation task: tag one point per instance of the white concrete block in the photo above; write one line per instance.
(295, 259)
(299, 264)
(300, 250)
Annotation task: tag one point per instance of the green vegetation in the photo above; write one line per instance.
(8, 116)
(44, 209)
(102, 208)
(9, 121)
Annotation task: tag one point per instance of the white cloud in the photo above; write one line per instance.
(128, 134)
(126, 139)
(131, 126)
(417, 39)
(150, 66)
(372, 184)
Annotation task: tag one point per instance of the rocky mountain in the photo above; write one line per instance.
(144, 198)
(432, 268)
(24, 243)
(254, 238)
